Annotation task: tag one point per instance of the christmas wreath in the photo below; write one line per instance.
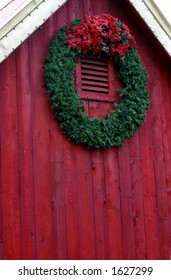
(101, 36)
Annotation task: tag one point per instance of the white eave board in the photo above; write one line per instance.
(19, 21)
(155, 20)
(10, 9)
(4, 3)
(165, 8)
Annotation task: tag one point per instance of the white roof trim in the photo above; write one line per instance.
(12, 9)
(155, 20)
(21, 22)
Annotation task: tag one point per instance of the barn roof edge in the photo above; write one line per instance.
(155, 20)
(18, 22)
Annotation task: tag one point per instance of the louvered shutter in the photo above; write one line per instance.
(94, 75)
(95, 78)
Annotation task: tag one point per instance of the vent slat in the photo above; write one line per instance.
(95, 78)
(94, 75)
(94, 61)
(94, 72)
(95, 83)
(95, 67)
(94, 88)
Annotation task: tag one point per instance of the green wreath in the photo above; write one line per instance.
(98, 35)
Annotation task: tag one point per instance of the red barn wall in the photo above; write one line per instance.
(60, 200)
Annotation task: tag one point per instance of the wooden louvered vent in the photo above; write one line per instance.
(94, 75)
(95, 78)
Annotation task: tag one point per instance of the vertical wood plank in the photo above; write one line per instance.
(166, 121)
(128, 228)
(25, 152)
(62, 16)
(99, 204)
(86, 204)
(56, 138)
(156, 118)
(56, 158)
(147, 162)
(58, 211)
(162, 210)
(156, 122)
(88, 7)
(71, 200)
(9, 157)
(113, 205)
(124, 170)
(126, 202)
(151, 225)
(99, 191)
(138, 209)
(101, 7)
(75, 9)
(137, 197)
(41, 154)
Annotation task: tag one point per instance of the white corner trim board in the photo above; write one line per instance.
(20, 22)
(155, 20)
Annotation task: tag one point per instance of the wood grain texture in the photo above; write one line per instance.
(60, 200)
(25, 142)
(10, 179)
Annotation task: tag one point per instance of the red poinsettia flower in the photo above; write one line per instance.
(100, 34)
(72, 44)
(126, 29)
(122, 49)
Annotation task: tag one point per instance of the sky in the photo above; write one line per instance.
(165, 7)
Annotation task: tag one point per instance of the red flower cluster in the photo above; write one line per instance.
(101, 34)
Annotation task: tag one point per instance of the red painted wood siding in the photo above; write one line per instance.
(59, 200)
